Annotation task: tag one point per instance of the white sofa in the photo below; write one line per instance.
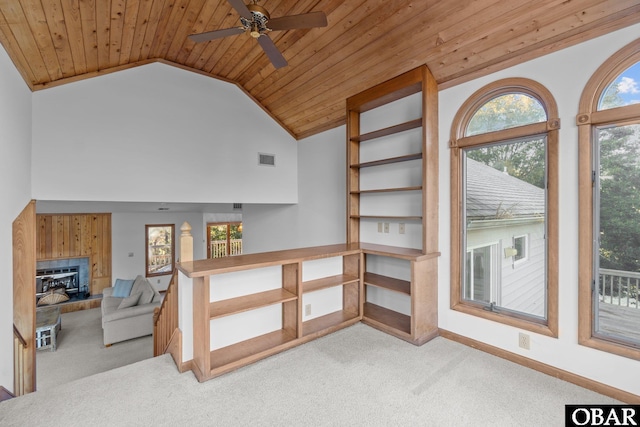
(122, 321)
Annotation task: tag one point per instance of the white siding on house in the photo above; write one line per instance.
(521, 285)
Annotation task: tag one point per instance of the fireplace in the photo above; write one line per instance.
(70, 276)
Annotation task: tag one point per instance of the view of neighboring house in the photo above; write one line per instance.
(505, 240)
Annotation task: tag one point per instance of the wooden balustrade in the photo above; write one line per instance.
(167, 337)
(20, 355)
(165, 318)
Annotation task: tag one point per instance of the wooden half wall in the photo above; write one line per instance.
(24, 289)
(61, 236)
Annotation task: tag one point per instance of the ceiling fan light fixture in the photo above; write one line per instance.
(254, 19)
(255, 31)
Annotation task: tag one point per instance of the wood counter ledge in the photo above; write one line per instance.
(207, 267)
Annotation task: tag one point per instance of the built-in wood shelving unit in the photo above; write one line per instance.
(209, 363)
(420, 324)
(356, 279)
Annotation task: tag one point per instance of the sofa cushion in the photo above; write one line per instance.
(125, 313)
(130, 301)
(148, 292)
(110, 304)
(122, 288)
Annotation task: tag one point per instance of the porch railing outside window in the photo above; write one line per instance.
(620, 288)
(219, 248)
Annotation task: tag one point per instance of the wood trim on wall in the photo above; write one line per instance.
(24, 289)
(578, 380)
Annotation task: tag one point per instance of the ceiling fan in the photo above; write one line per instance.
(257, 22)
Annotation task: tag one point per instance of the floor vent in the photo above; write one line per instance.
(266, 159)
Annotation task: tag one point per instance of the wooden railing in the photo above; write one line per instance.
(620, 288)
(165, 318)
(219, 248)
(20, 354)
(167, 337)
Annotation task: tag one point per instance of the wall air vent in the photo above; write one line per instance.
(237, 206)
(265, 159)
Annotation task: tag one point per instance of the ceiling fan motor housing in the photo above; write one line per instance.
(257, 25)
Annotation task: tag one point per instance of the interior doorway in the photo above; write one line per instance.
(224, 239)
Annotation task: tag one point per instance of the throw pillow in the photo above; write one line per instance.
(122, 288)
(130, 301)
(142, 285)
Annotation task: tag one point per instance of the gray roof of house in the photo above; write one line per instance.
(492, 194)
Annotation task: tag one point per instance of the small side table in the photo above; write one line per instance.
(48, 323)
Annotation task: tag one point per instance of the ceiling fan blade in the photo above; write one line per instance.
(217, 34)
(293, 22)
(241, 8)
(272, 52)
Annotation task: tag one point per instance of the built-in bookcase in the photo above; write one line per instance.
(249, 307)
(392, 154)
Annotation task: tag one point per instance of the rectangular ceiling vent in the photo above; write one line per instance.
(265, 159)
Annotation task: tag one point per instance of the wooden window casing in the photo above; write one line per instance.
(588, 118)
(549, 128)
(171, 245)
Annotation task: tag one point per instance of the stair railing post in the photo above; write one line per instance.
(186, 243)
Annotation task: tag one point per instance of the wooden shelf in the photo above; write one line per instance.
(402, 127)
(389, 283)
(249, 302)
(333, 320)
(387, 318)
(236, 354)
(391, 160)
(209, 266)
(328, 282)
(387, 190)
(400, 218)
(397, 252)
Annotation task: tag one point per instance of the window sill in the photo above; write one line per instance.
(611, 347)
(549, 329)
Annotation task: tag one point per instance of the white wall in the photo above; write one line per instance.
(565, 74)
(128, 240)
(319, 217)
(161, 134)
(15, 176)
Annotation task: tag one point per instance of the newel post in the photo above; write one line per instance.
(186, 243)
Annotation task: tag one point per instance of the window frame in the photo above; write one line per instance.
(525, 257)
(587, 120)
(550, 128)
(228, 224)
(147, 228)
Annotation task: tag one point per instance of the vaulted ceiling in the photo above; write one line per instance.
(53, 42)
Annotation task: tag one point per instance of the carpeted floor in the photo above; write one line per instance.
(355, 377)
(81, 351)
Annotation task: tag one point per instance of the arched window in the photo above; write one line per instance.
(504, 150)
(609, 142)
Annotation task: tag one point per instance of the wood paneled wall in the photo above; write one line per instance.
(24, 289)
(74, 236)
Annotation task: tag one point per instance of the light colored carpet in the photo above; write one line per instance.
(81, 351)
(355, 377)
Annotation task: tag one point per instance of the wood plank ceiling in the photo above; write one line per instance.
(53, 42)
